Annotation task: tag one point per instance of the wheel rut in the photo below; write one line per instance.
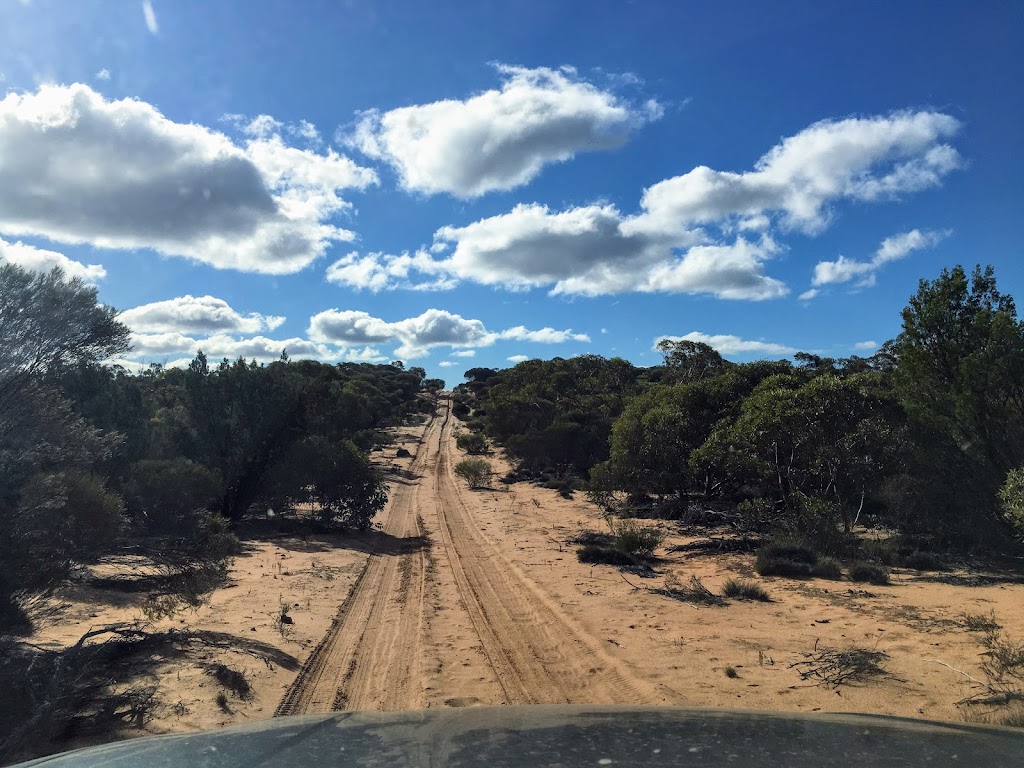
(527, 650)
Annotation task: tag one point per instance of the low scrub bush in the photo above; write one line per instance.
(745, 590)
(797, 560)
(879, 550)
(476, 472)
(778, 566)
(872, 573)
(784, 558)
(827, 568)
(692, 591)
(980, 622)
(471, 442)
(636, 540)
(595, 553)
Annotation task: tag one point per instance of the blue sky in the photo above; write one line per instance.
(458, 184)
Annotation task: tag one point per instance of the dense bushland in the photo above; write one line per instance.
(926, 436)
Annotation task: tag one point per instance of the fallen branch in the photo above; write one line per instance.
(835, 668)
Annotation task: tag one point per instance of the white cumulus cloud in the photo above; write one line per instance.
(868, 158)
(684, 237)
(416, 336)
(501, 138)
(517, 358)
(41, 260)
(79, 168)
(464, 353)
(161, 347)
(196, 314)
(866, 346)
(894, 248)
(729, 345)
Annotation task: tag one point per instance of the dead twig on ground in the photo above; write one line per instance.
(693, 591)
(833, 668)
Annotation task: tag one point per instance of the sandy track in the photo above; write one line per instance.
(372, 657)
(538, 653)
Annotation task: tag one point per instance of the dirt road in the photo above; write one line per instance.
(443, 618)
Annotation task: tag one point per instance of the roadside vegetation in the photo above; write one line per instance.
(160, 469)
(923, 439)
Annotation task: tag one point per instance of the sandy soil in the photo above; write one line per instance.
(472, 597)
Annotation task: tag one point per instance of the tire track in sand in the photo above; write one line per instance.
(538, 653)
(370, 656)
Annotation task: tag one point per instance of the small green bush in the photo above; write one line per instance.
(827, 568)
(731, 673)
(786, 558)
(745, 590)
(636, 540)
(778, 566)
(872, 573)
(471, 442)
(880, 550)
(790, 550)
(476, 472)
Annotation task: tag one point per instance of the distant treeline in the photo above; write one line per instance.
(926, 436)
(94, 460)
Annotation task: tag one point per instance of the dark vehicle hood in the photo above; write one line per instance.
(568, 736)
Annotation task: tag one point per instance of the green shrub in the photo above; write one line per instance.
(745, 590)
(636, 540)
(786, 558)
(476, 472)
(778, 566)
(879, 550)
(1011, 498)
(471, 442)
(827, 568)
(731, 673)
(790, 550)
(872, 573)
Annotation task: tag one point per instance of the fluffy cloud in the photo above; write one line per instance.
(857, 158)
(380, 271)
(118, 174)
(416, 336)
(866, 346)
(732, 345)
(158, 347)
(517, 358)
(684, 238)
(894, 248)
(39, 260)
(499, 139)
(196, 314)
(447, 364)
(464, 353)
